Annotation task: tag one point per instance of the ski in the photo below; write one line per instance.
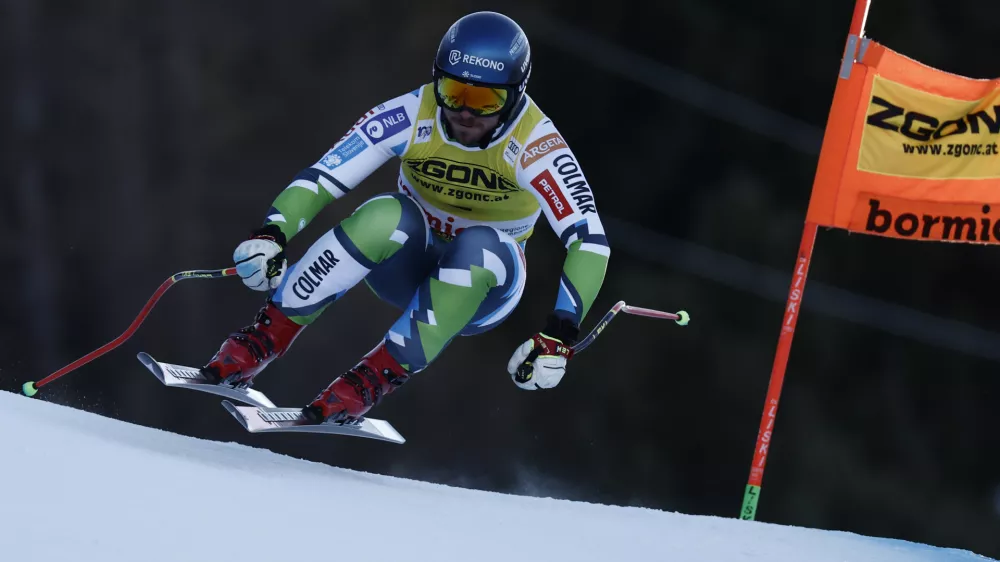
(257, 419)
(179, 376)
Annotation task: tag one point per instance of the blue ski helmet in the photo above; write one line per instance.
(485, 49)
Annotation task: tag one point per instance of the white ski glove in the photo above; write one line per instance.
(539, 362)
(260, 261)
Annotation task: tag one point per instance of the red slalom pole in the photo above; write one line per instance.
(30, 388)
(794, 303)
(792, 308)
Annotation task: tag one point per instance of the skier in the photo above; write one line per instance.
(480, 163)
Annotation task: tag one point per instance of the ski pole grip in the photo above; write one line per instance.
(525, 369)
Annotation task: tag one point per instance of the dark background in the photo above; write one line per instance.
(144, 138)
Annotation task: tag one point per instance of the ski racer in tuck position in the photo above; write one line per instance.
(479, 163)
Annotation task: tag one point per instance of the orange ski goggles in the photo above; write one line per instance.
(479, 100)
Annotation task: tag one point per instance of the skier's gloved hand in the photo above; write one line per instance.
(540, 362)
(260, 260)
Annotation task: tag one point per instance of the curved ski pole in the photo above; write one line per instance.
(681, 317)
(30, 388)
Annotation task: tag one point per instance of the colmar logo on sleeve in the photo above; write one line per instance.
(573, 182)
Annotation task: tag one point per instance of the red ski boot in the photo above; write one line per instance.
(247, 352)
(352, 394)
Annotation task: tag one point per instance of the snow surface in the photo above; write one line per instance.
(84, 488)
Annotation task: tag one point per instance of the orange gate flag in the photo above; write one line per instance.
(910, 152)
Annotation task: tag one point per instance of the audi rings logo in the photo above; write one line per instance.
(454, 56)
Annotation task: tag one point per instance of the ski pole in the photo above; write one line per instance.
(30, 388)
(680, 317)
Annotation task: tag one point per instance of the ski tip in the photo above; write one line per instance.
(29, 389)
(230, 407)
(151, 364)
(234, 410)
(684, 318)
(388, 432)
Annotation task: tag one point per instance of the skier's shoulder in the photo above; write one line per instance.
(533, 123)
(390, 119)
(408, 103)
(411, 102)
(539, 138)
(410, 98)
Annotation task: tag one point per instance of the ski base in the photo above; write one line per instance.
(192, 379)
(257, 419)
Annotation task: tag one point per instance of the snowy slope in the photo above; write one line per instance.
(83, 488)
